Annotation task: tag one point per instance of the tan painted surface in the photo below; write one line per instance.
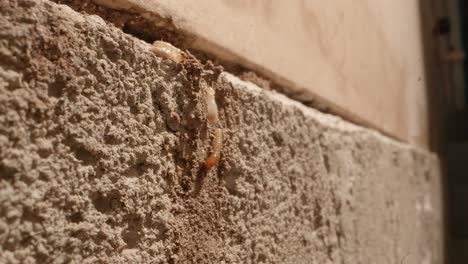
(364, 58)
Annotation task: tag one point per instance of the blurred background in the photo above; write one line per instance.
(446, 39)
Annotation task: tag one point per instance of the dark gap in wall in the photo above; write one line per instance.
(145, 36)
(131, 22)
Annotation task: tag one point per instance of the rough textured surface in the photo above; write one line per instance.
(100, 150)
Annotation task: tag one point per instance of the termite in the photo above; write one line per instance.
(216, 146)
(211, 107)
(167, 51)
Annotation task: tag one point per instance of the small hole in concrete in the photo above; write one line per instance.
(84, 155)
(56, 88)
(131, 238)
(107, 202)
(7, 173)
(76, 217)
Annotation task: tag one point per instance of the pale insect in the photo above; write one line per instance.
(216, 146)
(211, 107)
(167, 51)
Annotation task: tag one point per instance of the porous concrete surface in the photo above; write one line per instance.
(101, 144)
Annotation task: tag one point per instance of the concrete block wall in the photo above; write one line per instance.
(101, 144)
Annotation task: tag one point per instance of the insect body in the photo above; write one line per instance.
(211, 107)
(167, 51)
(216, 146)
